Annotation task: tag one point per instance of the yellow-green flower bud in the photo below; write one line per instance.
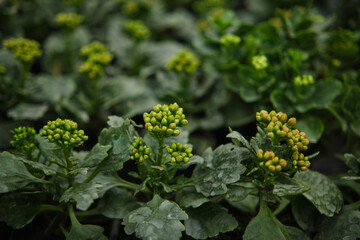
(69, 21)
(25, 50)
(184, 61)
(229, 40)
(259, 62)
(137, 29)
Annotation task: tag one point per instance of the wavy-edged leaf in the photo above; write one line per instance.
(14, 174)
(189, 197)
(265, 226)
(97, 154)
(158, 219)
(323, 193)
(209, 220)
(83, 193)
(287, 186)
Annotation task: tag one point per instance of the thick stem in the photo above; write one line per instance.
(48, 207)
(69, 165)
(92, 176)
(160, 153)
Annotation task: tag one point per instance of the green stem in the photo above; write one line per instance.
(92, 176)
(48, 207)
(69, 164)
(24, 74)
(72, 215)
(160, 154)
(91, 212)
(66, 234)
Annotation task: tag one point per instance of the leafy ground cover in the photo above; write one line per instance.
(117, 116)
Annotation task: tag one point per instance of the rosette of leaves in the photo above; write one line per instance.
(277, 177)
(57, 179)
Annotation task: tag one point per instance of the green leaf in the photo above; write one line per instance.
(18, 210)
(86, 232)
(208, 221)
(265, 226)
(47, 170)
(281, 102)
(115, 121)
(305, 213)
(220, 168)
(288, 186)
(97, 154)
(117, 203)
(119, 139)
(248, 205)
(83, 193)
(237, 192)
(51, 151)
(14, 174)
(238, 139)
(323, 193)
(158, 219)
(312, 126)
(345, 225)
(188, 197)
(353, 163)
(27, 111)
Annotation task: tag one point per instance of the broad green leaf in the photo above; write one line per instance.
(248, 205)
(353, 163)
(97, 154)
(158, 219)
(86, 232)
(323, 193)
(288, 186)
(83, 193)
(265, 226)
(312, 126)
(118, 138)
(345, 225)
(117, 203)
(47, 170)
(27, 111)
(281, 102)
(237, 192)
(18, 210)
(188, 197)
(209, 220)
(305, 213)
(115, 121)
(51, 151)
(14, 174)
(211, 178)
(239, 139)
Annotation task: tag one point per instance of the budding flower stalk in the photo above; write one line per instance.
(137, 29)
(69, 21)
(24, 140)
(164, 120)
(140, 152)
(64, 132)
(25, 50)
(230, 40)
(184, 61)
(179, 153)
(259, 62)
(305, 80)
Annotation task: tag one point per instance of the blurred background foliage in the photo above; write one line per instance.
(244, 56)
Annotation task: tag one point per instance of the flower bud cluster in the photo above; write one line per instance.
(259, 62)
(179, 153)
(184, 61)
(305, 80)
(279, 127)
(137, 29)
(229, 40)
(163, 120)
(69, 21)
(25, 50)
(270, 161)
(300, 161)
(24, 139)
(140, 151)
(97, 57)
(64, 132)
(206, 5)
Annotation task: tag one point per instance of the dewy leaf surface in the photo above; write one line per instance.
(208, 221)
(225, 168)
(346, 225)
(265, 226)
(14, 174)
(158, 219)
(83, 193)
(323, 193)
